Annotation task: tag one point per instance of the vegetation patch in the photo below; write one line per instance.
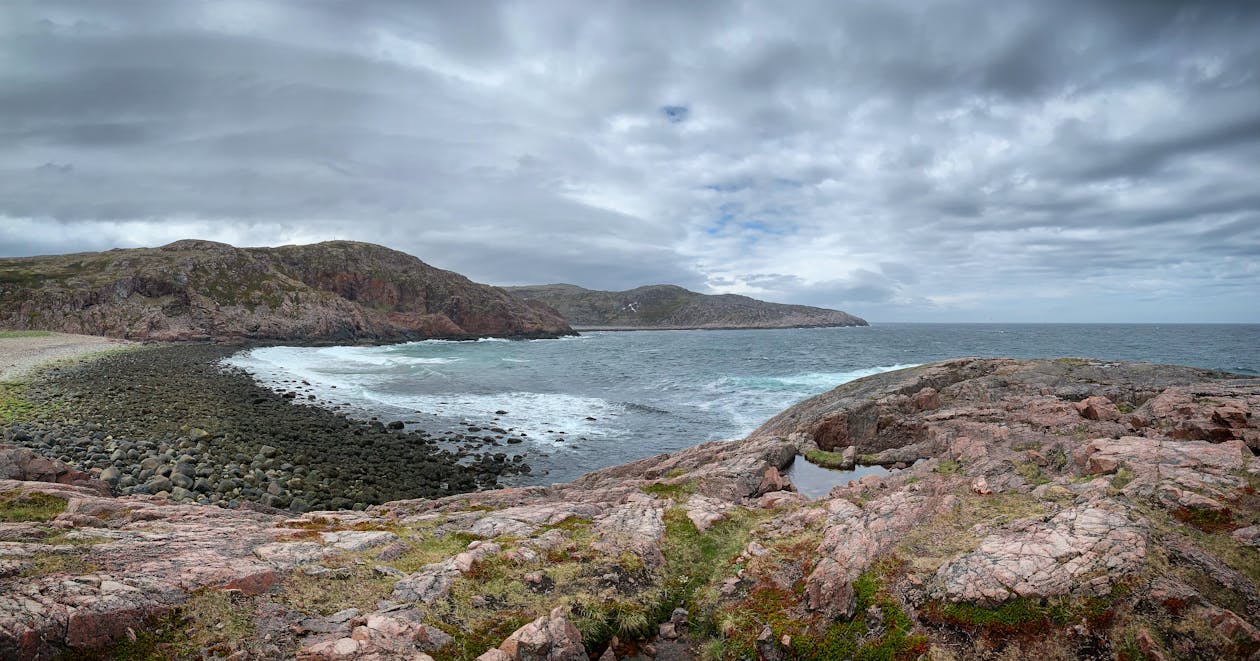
(1207, 520)
(952, 533)
(71, 564)
(1020, 616)
(24, 333)
(1031, 473)
(670, 490)
(18, 506)
(211, 624)
(354, 586)
(947, 467)
(887, 635)
(1124, 475)
(15, 406)
(827, 459)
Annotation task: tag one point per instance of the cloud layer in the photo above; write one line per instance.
(969, 161)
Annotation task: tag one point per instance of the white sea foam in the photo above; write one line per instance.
(813, 382)
(750, 401)
(352, 375)
(541, 415)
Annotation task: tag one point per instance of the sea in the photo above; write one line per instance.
(605, 398)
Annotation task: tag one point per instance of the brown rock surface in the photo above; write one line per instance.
(202, 290)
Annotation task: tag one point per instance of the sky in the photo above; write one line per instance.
(1034, 161)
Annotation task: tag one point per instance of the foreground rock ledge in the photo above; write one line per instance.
(1054, 509)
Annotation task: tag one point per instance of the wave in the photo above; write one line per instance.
(541, 415)
(814, 382)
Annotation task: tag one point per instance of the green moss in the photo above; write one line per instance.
(1124, 475)
(947, 467)
(24, 333)
(827, 459)
(15, 406)
(1021, 616)
(71, 564)
(1030, 472)
(16, 506)
(850, 640)
(670, 490)
(1015, 616)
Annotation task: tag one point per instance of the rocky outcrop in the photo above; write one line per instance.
(1048, 509)
(669, 306)
(25, 465)
(339, 291)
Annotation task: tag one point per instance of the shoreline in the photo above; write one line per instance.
(170, 419)
(25, 352)
(581, 329)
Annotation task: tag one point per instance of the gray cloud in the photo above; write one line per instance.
(953, 160)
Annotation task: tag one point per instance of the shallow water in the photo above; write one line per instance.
(815, 481)
(606, 398)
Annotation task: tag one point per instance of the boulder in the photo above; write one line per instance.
(548, 638)
(1098, 408)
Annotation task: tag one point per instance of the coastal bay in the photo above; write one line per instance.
(171, 420)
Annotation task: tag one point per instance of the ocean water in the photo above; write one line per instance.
(605, 398)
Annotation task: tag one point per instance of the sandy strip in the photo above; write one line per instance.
(19, 355)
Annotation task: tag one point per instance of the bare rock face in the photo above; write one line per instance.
(1084, 550)
(201, 290)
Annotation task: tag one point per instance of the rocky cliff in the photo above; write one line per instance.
(668, 306)
(338, 291)
(1049, 509)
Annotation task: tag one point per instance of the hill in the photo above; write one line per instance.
(336, 291)
(669, 306)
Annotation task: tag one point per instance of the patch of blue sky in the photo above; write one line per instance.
(675, 114)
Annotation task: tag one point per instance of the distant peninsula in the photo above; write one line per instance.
(332, 292)
(660, 307)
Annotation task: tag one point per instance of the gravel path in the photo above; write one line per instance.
(20, 352)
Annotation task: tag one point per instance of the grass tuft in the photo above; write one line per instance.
(16, 506)
(827, 459)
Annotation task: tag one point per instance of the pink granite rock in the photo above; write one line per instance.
(1083, 550)
(549, 638)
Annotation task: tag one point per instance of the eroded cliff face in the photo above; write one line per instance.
(1047, 509)
(338, 291)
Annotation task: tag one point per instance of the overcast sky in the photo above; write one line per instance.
(903, 161)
